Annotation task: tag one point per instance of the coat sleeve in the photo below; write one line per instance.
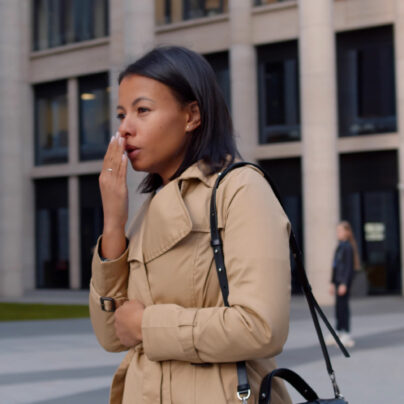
(109, 279)
(347, 264)
(256, 250)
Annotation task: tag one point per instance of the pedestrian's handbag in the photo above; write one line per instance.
(243, 388)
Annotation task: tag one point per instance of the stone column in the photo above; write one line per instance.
(139, 26)
(399, 53)
(74, 232)
(73, 120)
(73, 186)
(319, 140)
(243, 74)
(132, 26)
(12, 109)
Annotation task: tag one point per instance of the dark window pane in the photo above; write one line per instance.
(366, 83)
(50, 123)
(263, 2)
(91, 223)
(220, 65)
(167, 11)
(55, 23)
(202, 8)
(278, 89)
(94, 116)
(83, 20)
(60, 22)
(40, 24)
(274, 86)
(52, 233)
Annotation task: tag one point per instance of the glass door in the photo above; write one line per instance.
(91, 223)
(374, 216)
(52, 233)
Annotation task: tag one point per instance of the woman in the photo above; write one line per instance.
(346, 260)
(161, 278)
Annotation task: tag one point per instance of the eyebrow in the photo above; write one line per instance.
(136, 101)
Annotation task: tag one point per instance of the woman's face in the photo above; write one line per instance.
(342, 233)
(155, 125)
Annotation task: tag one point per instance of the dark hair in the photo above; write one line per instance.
(190, 78)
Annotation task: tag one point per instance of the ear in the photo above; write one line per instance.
(193, 116)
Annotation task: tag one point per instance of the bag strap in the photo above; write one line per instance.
(243, 389)
(291, 377)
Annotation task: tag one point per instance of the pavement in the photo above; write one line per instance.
(60, 361)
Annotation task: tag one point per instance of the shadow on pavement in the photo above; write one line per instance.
(99, 396)
(48, 375)
(304, 355)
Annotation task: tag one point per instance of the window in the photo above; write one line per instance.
(278, 90)
(366, 83)
(91, 223)
(263, 2)
(51, 117)
(202, 8)
(60, 22)
(52, 233)
(172, 11)
(94, 116)
(220, 65)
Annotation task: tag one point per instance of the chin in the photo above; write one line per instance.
(137, 166)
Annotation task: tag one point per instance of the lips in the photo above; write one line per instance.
(131, 151)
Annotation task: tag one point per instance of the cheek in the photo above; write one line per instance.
(170, 132)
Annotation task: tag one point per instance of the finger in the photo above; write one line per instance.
(113, 160)
(123, 167)
(109, 152)
(120, 151)
(122, 143)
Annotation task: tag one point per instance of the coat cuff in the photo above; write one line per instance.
(167, 331)
(110, 277)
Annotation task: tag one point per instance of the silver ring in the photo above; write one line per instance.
(109, 170)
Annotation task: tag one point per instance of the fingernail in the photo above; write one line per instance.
(123, 156)
(120, 140)
(113, 138)
(117, 135)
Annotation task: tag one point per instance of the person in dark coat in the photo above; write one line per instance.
(346, 260)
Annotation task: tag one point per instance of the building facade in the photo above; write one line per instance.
(315, 88)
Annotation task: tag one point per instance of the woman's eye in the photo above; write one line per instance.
(120, 117)
(142, 110)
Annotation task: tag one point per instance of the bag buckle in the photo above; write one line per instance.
(244, 395)
(110, 306)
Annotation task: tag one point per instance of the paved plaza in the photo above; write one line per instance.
(60, 362)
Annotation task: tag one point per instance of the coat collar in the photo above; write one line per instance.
(164, 220)
(198, 171)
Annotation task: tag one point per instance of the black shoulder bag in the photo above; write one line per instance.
(243, 388)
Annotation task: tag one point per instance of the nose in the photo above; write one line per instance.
(126, 129)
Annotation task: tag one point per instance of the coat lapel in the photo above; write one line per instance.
(166, 223)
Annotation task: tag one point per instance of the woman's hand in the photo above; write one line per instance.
(114, 195)
(128, 323)
(342, 289)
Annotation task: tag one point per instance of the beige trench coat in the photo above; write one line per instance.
(190, 341)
